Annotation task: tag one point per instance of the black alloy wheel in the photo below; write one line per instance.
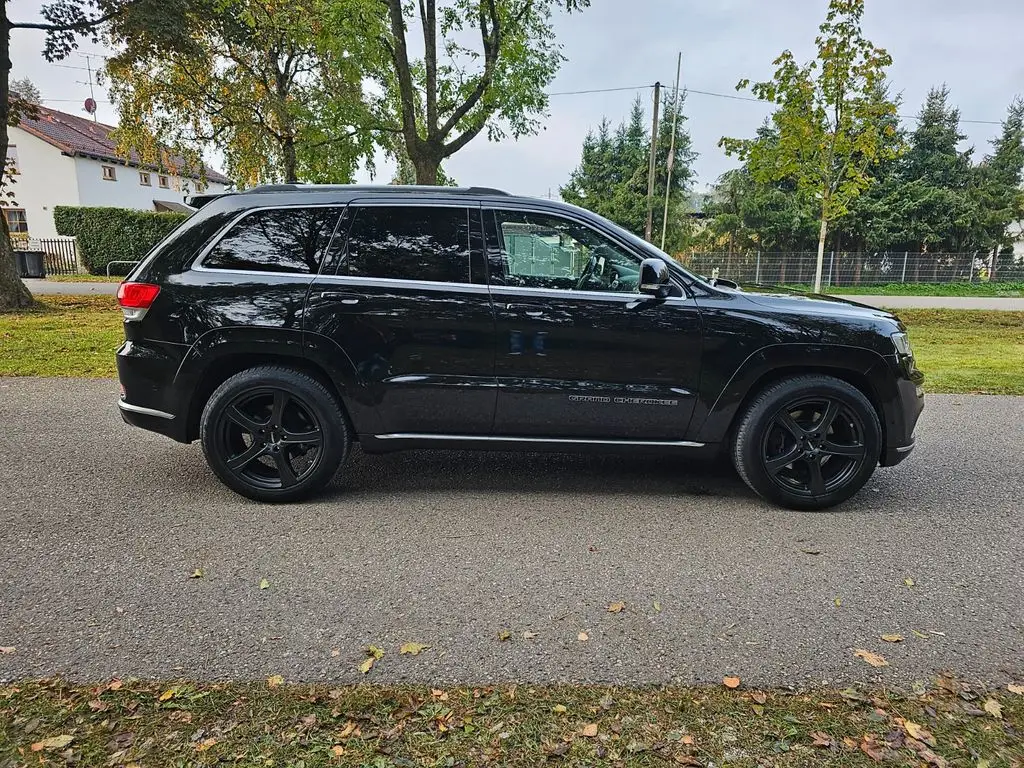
(813, 446)
(274, 434)
(807, 442)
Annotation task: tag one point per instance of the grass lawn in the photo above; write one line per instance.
(959, 350)
(993, 290)
(278, 724)
(84, 278)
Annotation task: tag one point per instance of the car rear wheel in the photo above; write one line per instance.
(808, 442)
(274, 434)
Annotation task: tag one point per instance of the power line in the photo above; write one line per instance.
(603, 90)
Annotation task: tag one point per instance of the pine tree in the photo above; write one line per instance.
(997, 186)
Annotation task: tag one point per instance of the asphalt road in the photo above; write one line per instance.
(50, 287)
(101, 526)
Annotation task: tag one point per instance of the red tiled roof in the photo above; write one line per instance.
(75, 135)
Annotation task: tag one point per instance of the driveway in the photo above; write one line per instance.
(102, 525)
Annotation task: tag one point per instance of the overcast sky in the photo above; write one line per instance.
(974, 47)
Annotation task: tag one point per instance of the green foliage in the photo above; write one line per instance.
(277, 88)
(113, 234)
(437, 104)
(611, 179)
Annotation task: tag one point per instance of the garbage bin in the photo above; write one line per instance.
(30, 263)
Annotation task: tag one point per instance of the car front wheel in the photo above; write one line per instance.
(274, 434)
(808, 442)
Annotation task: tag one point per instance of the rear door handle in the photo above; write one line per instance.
(344, 298)
(525, 310)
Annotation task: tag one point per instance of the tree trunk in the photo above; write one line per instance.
(426, 169)
(13, 293)
(289, 161)
(823, 233)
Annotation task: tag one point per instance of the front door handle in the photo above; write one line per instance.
(344, 298)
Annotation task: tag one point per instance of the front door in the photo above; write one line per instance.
(408, 304)
(581, 353)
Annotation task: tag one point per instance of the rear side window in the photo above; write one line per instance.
(284, 240)
(409, 243)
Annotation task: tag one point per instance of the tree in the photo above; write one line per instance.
(435, 104)
(64, 22)
(25, 90)
(998, 184)
(830, 129)
(276, 87)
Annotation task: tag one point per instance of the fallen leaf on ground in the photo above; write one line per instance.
(7, 649)
(909, 582)
(335, 652)
(657, 606)
(922, 635)
(616, 608)
(528, 635)
(504, 634)
(367, 665)
(838, 602)
(205, 744)
(759, 696)
(893, 638)
(874, 659)
(264, 584)
(559, 750)
(1014, 688)
(374, 655)
(167, 695)
(337, 750)
(687, 739)
(731, 682)
(589, 730)
(114, 685)
(53, 743)
(413, 649)
(916, 731)
(872, 749)
(348, 730)
(811, 551)
(197, 574)
(994, 708)
(758, 709)
(821, 739)
(583, 637)
(439, 694)
(559, 708)
(275, 680)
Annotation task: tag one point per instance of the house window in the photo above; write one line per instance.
(16, 221)
(165, 183)
(108, 173)
(12, 159)
(144, 179)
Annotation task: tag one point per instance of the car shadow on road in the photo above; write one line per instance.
(523, 473)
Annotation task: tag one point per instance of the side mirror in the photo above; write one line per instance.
(654, 278)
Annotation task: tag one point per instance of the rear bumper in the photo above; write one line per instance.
(146, 372)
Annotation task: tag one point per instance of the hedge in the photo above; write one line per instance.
(113, 234)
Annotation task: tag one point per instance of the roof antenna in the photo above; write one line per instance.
(90, 105)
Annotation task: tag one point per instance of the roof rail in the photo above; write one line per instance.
(395, 188)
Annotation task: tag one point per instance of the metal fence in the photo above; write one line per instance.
(61, 253)
(842, 268)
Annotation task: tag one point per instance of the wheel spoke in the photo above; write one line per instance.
(776, 465)
(849, 451)
(827, 418)
(789, 424)
(281, 399)
(817, 484)
(284, 467)
(251, 453)
(246, 422)
(313, 437)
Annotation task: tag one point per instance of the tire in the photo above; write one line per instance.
(274, 434)
(810, 420)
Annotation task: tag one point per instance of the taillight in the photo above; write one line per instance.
(136, 299)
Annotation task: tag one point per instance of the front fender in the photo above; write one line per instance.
(865, 366)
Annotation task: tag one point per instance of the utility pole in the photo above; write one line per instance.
(648, 230)
(672, 148)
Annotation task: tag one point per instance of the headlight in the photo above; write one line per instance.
(903, 351)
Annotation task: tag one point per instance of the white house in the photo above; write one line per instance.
(63, 159)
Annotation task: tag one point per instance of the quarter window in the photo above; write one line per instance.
(541, 251)
(409, 243)
(284, 240)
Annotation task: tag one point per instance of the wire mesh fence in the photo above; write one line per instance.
(845, 268)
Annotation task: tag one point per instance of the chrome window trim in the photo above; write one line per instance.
(542, 440)
(144, 411)
(385, 282)
(197, 262)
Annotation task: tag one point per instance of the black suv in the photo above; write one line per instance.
(282, 324)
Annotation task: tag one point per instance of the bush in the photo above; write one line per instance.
(113, 234)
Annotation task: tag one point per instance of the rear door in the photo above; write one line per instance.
(408, 304)
(581, 354)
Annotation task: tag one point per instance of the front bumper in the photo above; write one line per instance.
(906, 410)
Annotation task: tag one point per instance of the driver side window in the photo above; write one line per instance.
(543, 251)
